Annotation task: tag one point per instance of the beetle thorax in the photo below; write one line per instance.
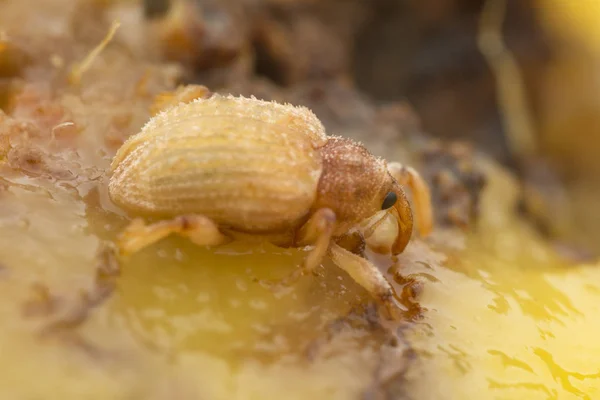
(352, 182)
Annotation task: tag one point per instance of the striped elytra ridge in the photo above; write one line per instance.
(247, 164)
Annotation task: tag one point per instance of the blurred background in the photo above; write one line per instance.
(518, 78)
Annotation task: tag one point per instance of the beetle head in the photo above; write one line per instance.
(357, 186)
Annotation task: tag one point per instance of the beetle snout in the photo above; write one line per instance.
(404, 221)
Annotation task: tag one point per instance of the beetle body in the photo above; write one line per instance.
(247, 165)
(226, 167)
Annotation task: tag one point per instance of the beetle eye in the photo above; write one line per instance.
(389, 201)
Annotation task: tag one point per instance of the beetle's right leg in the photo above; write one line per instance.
(317, 231)
(199, 229)
(368, 276)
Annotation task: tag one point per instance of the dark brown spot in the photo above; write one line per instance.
(186, 223)
(354, 243)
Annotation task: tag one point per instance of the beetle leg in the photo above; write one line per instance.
(183, 94)
(409, 177)
(199, 229)
(368, 276)
(317, 231)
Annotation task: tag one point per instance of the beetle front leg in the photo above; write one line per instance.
(409, 177)
(368, 276)
(199, 229)
(317, 231)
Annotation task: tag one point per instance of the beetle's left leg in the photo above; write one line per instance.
(368, 276)
(183, 94)
(198, 228)
(410, 177)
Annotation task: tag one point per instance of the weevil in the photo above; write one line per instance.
(219, 168)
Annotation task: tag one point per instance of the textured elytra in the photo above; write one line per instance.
(247, 164)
